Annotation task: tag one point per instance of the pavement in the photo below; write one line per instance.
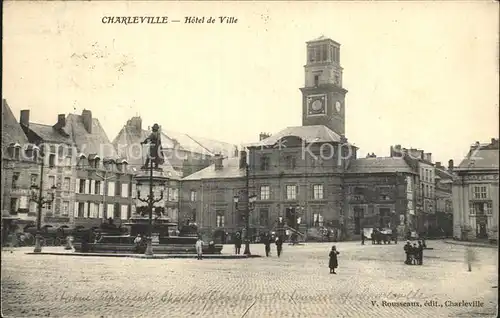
(372, 281)
(62, 252)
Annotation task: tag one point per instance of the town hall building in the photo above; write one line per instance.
(306, 176)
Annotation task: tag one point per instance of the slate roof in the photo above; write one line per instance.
(379, 165)
(11, 130)
(230, 169)
(173, 139)
(87, 143)
(310, 134)
(483, 159)
(443, 174)
(48, 134)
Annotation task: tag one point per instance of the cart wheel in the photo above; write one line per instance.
(42, 241)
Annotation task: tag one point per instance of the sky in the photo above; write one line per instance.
(420, 74)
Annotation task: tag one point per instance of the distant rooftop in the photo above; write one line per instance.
(379, 165)
(481, 156)
(310, 134)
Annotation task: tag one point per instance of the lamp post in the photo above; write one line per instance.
(40, 200)
(150, 200)
(248, 204)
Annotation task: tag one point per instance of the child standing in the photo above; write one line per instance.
(333, 264)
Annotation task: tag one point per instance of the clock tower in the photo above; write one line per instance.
(323, 97)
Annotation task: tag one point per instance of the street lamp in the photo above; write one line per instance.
(247, 204)
(37, 196)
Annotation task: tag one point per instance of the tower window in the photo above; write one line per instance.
(311, 55)
(316, 80)
(317, 54)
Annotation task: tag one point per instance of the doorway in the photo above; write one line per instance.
(358, 217)
(481, 228)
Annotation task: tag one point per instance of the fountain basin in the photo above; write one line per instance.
(165, 245)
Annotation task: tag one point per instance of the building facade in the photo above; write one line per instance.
(380, 193)
(59, 172)
(20, 165)
(104, 185)
(307, 176)
(475, 193)
(425, 195)
(444, 202)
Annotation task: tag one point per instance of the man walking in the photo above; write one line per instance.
(362, 238)
(279, 245)
(267, 244)
(420, 253)
(407, 249)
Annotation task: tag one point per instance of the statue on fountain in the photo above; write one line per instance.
(154, 140)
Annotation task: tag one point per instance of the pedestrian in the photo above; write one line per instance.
(362, 238)
(279, 245)
(237, 243)
(420, 253)
(333, 263)
(407, 249)
(414, 253)
(267, 244)
(374, 233)
(137, 242)
(470, 256)
(199, 248)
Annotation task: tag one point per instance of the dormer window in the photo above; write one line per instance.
(108, 164)
(81, 160)
(124, 165)
(14, 150)
(31, 152)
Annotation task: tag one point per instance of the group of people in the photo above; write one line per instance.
(377, 237)
(414, 253)
(268, 240)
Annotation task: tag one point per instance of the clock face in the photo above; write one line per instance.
(338, 106)
(316, 105)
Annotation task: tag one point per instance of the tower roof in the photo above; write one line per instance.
(322, 38)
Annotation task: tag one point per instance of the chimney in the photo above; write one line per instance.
(218, 161)
(243, 159)
(263, 136)
(24, 118)
(450, 165)
(428, 156)
(438, 164)
(61, 121)
(87, 120)
(135, 123)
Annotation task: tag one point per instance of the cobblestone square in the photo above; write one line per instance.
(372, 281)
